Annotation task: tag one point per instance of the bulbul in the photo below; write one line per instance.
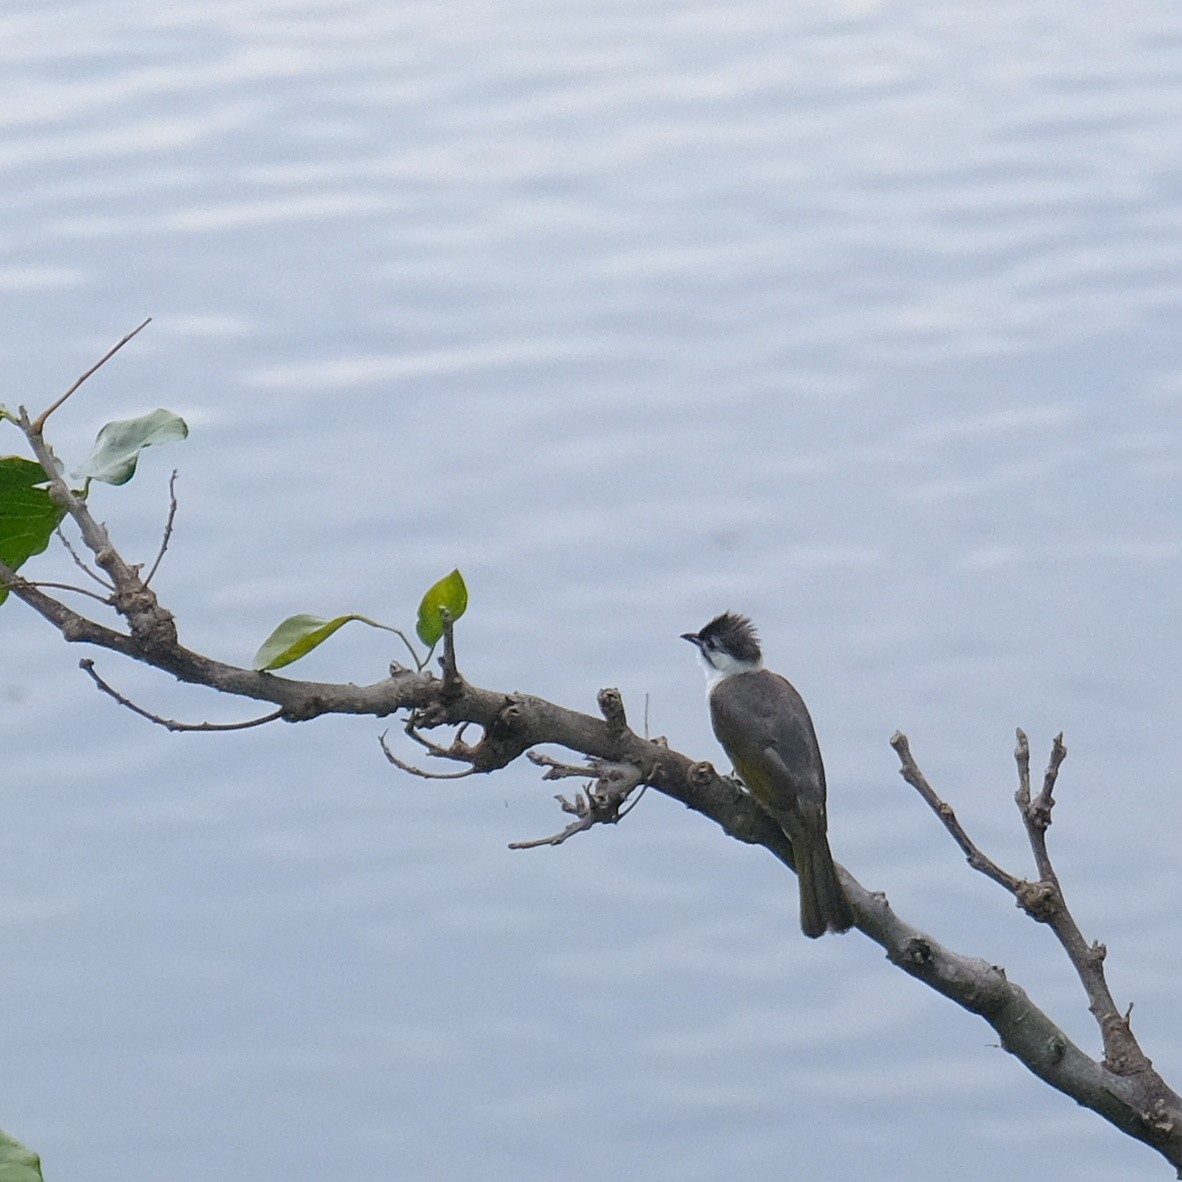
(765, 729)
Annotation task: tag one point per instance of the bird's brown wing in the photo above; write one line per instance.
(765, 727)
(766, 730)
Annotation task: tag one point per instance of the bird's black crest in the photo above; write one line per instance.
(734, 633)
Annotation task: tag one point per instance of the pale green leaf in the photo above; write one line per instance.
(118, 445)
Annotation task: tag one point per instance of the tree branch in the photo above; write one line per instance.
(171, 724)
(1123, 1087)
(1043, 900)
(975, 858)
(38, 424)
(168, 524)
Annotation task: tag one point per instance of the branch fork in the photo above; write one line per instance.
(1044, 900)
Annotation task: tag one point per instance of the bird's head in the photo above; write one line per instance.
(728, 644)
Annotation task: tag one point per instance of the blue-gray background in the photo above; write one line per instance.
(860, 317)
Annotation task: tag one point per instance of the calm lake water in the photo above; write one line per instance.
(861, 318)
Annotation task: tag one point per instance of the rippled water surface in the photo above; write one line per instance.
(859, 317)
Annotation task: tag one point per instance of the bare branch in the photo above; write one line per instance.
(38, 424)
(556, 769)
(422, 773)
(172, 507)
(1058, 754)
(580, 808)
(599, 804)
(81, 564)
(1046, 901)
(1123, 1088)
(170, 723)
(975, 858)
(72, 625)
(103, 599)
(1140, 1104)
(1022, 759)
(1043, 900)
(456, 749)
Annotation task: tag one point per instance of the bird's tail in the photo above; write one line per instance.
(823, 905)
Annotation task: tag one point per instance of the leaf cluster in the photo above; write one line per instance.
(29, 516)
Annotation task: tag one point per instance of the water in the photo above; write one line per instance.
(858, 318)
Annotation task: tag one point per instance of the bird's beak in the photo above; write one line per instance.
(692, 637)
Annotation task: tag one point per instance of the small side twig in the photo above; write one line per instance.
(422, 773)
(600, 803)
(456, 749)
(1036, 813)
(172, 507)
(1122, 1052)
(171, 723)
(556, 769)
(38, 424)
(910, 772)
(81, 564)
(580, 807)
(41, 585)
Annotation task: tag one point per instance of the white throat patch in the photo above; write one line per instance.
(720, 665)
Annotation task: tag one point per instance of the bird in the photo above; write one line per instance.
(765, 729)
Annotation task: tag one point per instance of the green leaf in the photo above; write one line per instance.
(449, 593)
(297, 636)
(118, 445)
(17, 1162)
(27, 516)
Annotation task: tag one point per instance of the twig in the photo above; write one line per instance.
(1043, 900)
(634, 801)
(580, 807)
(171, 723)
(1036, 813)
(453, 684)
(38, 424)
(1022, 759)
(976, 859)
(172, 506)
(600, 803)
(556, 769)
(457, 749)
(422, 773)
(105, 600)
(80, 564)
(1122, 1052)
(395, 668)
